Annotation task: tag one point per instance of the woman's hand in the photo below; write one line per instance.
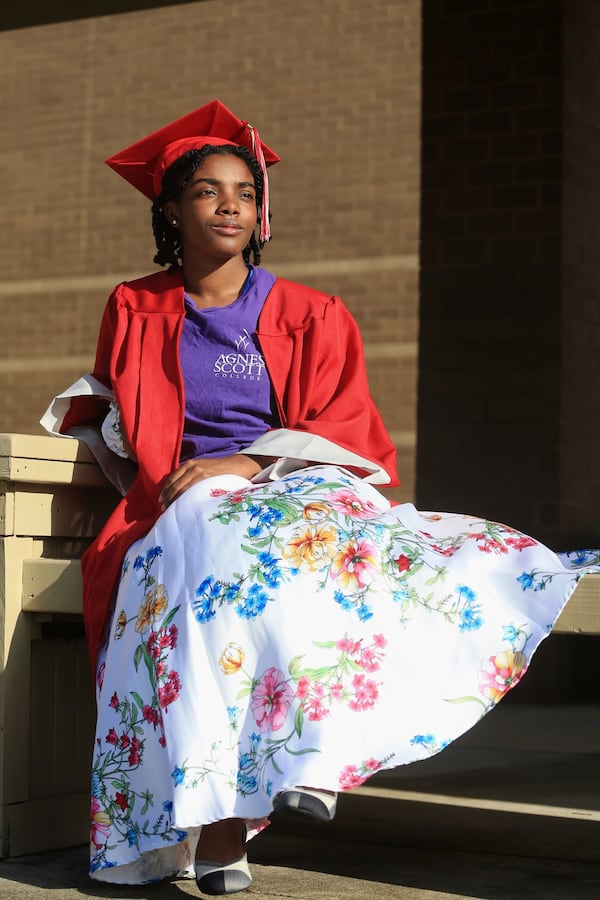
(194, 470)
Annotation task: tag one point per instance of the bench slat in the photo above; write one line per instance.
(581, 615)
(52, 586)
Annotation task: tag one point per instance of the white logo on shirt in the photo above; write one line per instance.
(240, 366)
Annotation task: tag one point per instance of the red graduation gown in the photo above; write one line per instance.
(313, 353)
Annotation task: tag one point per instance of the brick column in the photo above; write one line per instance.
(489, 390)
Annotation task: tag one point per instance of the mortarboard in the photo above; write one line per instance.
(144, 163)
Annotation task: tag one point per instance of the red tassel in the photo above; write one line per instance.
(265, 227)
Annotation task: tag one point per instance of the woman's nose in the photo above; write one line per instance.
(229, 205)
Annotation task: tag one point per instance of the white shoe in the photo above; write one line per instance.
(223, 878)
(311, 802)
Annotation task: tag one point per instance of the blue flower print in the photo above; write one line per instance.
(425, 740)
(178, 776)
(364, 612)
(526, 580)
(203, 608)
(253, 604)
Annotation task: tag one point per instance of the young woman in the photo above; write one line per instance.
(265, 628)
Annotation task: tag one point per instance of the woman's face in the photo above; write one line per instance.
(216, 213)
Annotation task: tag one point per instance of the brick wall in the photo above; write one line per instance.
(489, 371)
(335, 91)
(580, 396)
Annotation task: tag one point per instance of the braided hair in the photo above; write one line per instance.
(176, 178)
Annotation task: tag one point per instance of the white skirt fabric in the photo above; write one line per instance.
(299, 632)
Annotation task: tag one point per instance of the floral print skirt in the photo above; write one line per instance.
(298, 632)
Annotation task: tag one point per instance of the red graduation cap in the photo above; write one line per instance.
(144, 163)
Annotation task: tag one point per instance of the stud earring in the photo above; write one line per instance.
(174, 221)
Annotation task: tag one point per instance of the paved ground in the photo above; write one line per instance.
(511, 811)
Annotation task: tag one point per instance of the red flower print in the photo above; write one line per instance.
(124, 741)
(271, 699)
(521, 542)
(403, 563)
(114, 701)
(121, 800)
(112, 737)
(150, 715)
(135, 754)
(169, 692)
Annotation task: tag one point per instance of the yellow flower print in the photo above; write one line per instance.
(231, 659)
(120, 626)
(154, 605)
(313, 548)
(316, 510)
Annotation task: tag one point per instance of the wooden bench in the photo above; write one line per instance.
(53, 501)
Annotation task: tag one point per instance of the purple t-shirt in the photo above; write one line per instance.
(228, 397)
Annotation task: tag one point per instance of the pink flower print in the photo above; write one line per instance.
(100, 676)
(336, 691)
(372, 764)
(271, 699)
(161, 668)
(347, 645)
(100, 825)
(350, 778)
(379, 641)
(217, 492)
(349, 503)
(303, 687)
(501, 672)
(112, 737)
(368, 660)
(169, 692)
(314, 705)
(162, 741)
(355, 566)
(366, 693)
